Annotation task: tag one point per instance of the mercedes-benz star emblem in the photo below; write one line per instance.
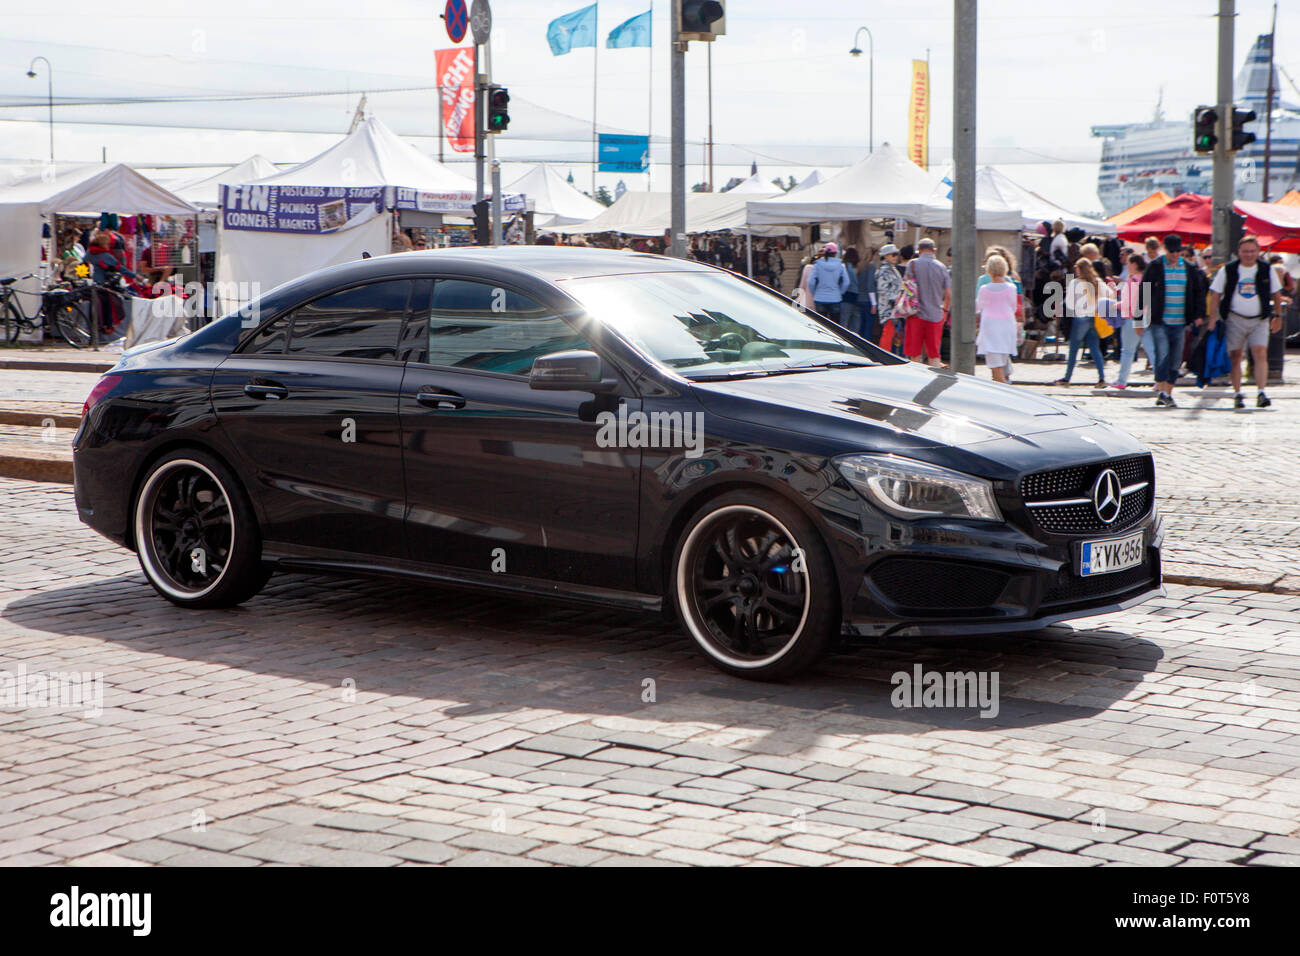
(1106, 496)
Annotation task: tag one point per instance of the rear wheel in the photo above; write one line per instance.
(196, 534)
(754, 586)
(71, 322)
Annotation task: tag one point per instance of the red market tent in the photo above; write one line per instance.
(1156, 200)
(1188, 215)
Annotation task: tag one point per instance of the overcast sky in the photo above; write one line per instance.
(786, 92)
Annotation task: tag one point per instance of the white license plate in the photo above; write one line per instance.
(1113, 554)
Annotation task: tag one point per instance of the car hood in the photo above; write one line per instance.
(909, 399)
(958, 421)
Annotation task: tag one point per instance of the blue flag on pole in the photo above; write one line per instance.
(573, 29)
(633, 32)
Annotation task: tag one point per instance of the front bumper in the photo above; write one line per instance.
(960, 577)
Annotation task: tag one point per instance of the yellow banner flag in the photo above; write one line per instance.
(918, 138)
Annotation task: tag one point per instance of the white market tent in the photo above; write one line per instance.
(812, 179)
(650, 214)
(29, 195)
(883, 184)
(992, 210)
(752, 186)
(554, 200)
(992, 183)
(206, 192)
(371, 156)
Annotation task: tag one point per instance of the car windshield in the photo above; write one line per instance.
(710, 325)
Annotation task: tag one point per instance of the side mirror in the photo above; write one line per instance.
(573, 371)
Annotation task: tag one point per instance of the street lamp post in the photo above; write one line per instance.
(49, 76)
(871, 80)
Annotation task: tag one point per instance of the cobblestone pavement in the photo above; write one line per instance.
(339, 721)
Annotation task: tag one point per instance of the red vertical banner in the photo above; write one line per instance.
(455, 69)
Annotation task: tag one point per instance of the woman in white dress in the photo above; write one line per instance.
(995, 304)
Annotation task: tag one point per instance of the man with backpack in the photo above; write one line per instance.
(1247, 296)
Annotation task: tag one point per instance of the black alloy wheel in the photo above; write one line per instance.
(754, 586)
(195, 533)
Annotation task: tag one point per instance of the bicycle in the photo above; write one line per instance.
(65, 310)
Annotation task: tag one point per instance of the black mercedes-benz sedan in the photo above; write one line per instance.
(617, 428)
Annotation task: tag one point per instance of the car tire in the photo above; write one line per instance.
(196, 536)
(742, 593)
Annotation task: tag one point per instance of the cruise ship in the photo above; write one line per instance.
(1140, 158)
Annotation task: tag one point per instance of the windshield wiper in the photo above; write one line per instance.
(738, 373)
(833, 363)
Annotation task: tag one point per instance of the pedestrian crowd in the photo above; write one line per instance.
(1164, 303)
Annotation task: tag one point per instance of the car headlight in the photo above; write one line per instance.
(916, 489)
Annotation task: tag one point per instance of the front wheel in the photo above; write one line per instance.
(195, 533)
(754, 586)
(13, 322)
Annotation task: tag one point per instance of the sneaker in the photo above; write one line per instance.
(1262, 401)
(1062, 381)
(1239, 401)
(1162, 399)
(1169, 400)
(1118, 385)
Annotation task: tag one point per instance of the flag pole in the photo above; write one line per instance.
(595, 61)
(650, 104)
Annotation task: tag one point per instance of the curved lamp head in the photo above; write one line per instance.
(854, 52)
(32, 74)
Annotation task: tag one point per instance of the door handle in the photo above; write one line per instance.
(266, 390)
(439, 398)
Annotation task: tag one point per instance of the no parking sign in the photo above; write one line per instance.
(456, 16)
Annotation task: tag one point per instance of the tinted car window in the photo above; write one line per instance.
(363, 322)
(270, 339)
(477, 325)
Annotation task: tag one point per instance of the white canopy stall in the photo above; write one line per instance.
(206, 192)
(1035, 210)
(885, 184)
(554, 201)
(29, 195)
(330, 209)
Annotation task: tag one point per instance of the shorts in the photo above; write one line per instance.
(920, 334)
(1243, 332)
(997, 360)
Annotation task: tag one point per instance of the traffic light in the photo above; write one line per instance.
(482, 223)
(1205, 138)
(498, 119)
(1240, 137)
(701, 19)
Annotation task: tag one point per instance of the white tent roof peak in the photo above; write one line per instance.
(753, 185)
(992, 182)
(812, 179)
(555, 201)
(882, 183)
(207, 191)
(372, 155)
(91, 188)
